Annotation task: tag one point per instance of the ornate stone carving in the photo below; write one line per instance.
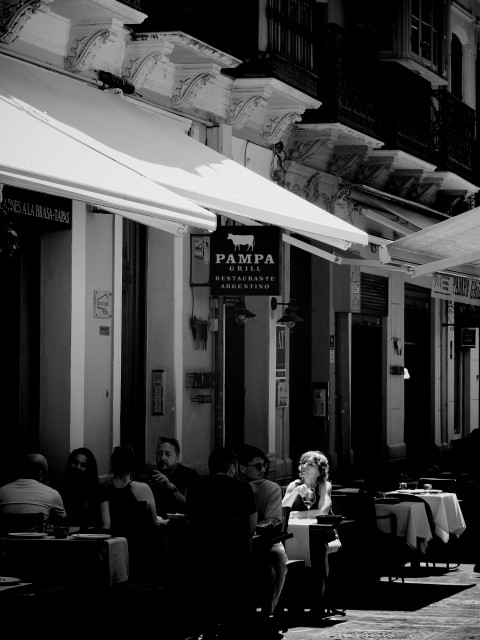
(371, 172)
(346, 160)
(240, 111)
(220, 58)
(84, 52)
(400, 184)
(304, 151)
(425, 191)
(137, 70)
(277, 127)
(15, 16)
(188, 89)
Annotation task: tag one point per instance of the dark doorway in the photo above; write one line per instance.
(367, 397)
(418, 435)
(234, 383)
(132, 416)
(20, 350)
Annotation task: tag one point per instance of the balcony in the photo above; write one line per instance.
(453, 135)
(348, 84)
(272, 38)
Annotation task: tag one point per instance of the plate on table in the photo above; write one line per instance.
(432, 491)
(28, 534)
(6, 580)
(91, 536)
(172, 516)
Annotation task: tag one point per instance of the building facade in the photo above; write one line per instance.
(341, 125)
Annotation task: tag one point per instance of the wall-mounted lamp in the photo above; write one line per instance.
(238, 310)
(290, 317)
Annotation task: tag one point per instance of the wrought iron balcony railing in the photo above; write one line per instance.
(453, 134)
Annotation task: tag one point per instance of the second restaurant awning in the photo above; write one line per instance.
(450, 246)
(146, 143)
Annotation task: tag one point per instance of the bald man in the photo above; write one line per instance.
(31, 494)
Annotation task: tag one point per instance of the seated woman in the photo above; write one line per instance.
(313, 482)
(313, 479)
(84, 497)
(132, 512)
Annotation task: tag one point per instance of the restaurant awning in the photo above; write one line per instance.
(450, 246)
(145, 142)
(36, 155)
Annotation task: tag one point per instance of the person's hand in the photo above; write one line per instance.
(303, 490)
(161, 480)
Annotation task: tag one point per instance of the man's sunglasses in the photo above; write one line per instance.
(258, 465)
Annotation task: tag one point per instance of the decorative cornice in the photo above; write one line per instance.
(86, 49)
(304, 151)
(347, 159)
(15, 16)
(425, 191)
(372, 171)
(199, 47)
(188, 89)
(401, 184)
(215, 55)
(240, 111)
(276, 128)
(137, 70)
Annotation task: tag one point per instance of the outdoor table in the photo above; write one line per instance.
(102, 562)
(446, 511)
(412, 522)
(308, 536)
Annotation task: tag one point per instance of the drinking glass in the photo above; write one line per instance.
(402, 486)
(309, 499)
(427, 487)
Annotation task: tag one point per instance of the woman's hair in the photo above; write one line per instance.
(122, 461)
(91, 473)
(318, 459)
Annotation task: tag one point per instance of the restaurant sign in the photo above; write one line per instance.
(456, 289)
(50, 211)
(245, 261)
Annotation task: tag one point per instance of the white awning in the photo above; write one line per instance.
(36, 155)
(451, 246)
(145, 142)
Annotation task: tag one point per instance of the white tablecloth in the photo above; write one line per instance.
(412, 522)
(298, 547)
(446, 511)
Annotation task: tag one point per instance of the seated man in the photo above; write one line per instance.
(268, 499)
(31, 493)
(169, 479)
(222, 512)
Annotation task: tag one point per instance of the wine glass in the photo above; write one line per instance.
(308, 500)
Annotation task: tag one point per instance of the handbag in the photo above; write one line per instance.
(334, 544)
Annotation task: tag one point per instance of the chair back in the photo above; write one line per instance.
(24, 522)
(445, 484)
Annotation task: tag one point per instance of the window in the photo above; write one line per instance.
(456, 67)
(426, 25)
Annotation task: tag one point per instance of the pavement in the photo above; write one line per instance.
(431, 604)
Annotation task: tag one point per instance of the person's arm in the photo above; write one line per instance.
(294, 489)
(105, 514)
(143, 492)
(57, 515)
(325, 498)
(273, 505)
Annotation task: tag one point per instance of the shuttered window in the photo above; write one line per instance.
(373, 294)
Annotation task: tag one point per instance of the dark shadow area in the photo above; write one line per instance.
(410, 596)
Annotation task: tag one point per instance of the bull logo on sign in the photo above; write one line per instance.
(239, 240)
